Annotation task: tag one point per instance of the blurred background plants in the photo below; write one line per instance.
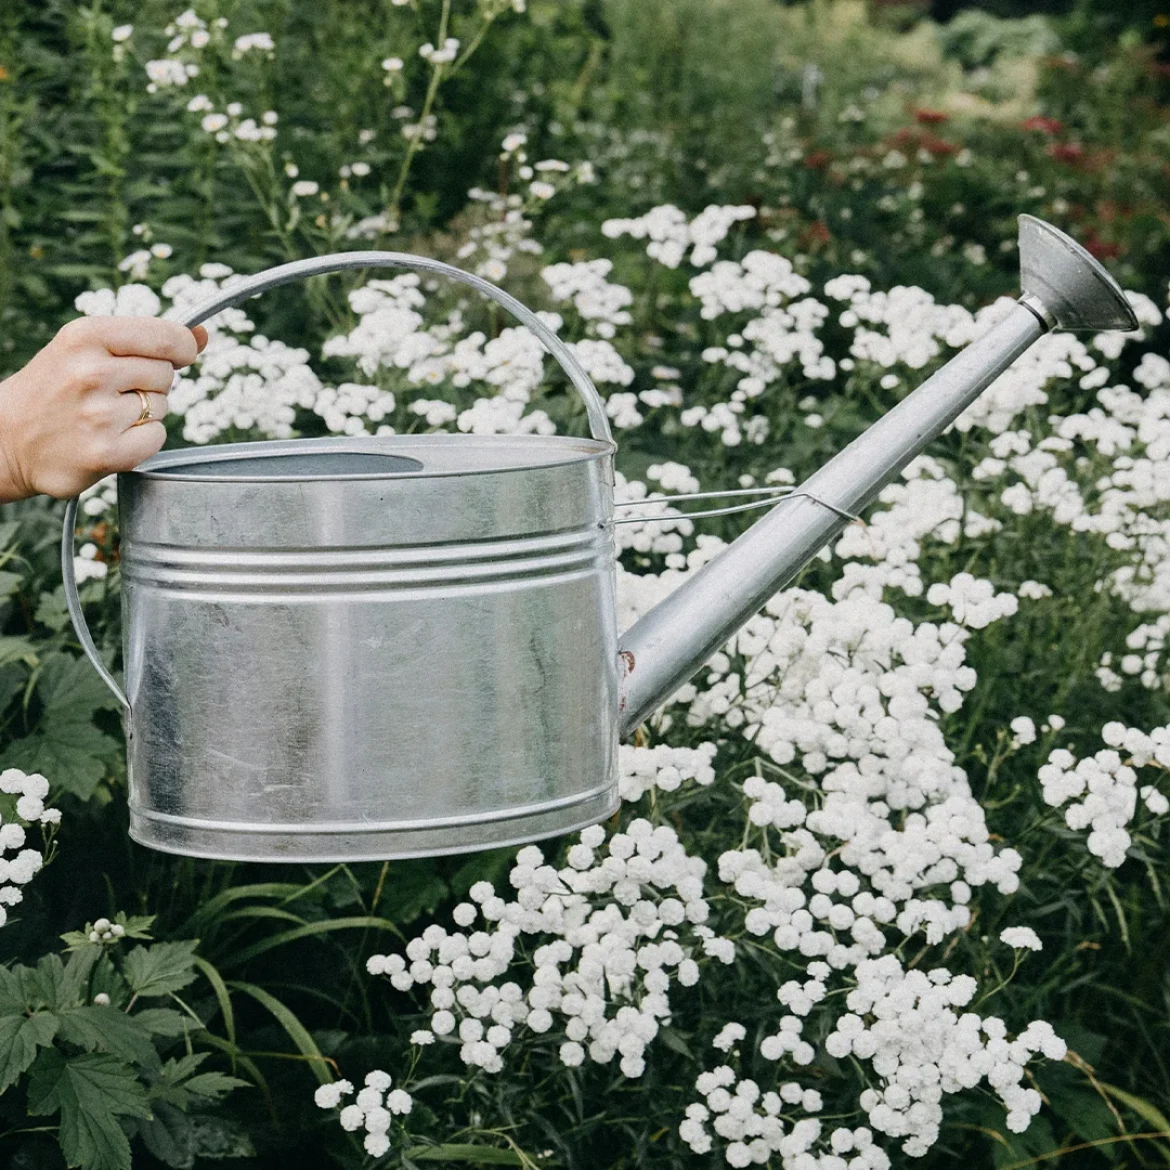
(870, 139)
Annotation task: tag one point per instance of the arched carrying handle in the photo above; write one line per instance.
(320, 266)
(340, 261)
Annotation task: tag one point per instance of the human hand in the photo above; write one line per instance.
(72, 415)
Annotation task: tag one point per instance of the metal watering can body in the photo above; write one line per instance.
(368, 648)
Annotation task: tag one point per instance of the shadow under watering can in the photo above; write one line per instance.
(349, 649)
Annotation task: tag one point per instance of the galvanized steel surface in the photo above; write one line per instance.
(375, 666)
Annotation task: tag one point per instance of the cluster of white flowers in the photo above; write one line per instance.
(904, 1023)
(758, 1125)
(973, 600)
(621, 925)
(601, 305)
(671, 235)
(188, 31)
(1104, 788)
(664, 768)
(30, 790)
(374, 1108)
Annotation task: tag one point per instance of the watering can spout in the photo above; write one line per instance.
(1064, 288)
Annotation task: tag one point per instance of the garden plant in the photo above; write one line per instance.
(888, 884)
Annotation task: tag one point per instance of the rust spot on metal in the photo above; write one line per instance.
(627, 658)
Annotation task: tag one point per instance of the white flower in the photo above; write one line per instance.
(304, 188)
(1021, 938)
(122, 32)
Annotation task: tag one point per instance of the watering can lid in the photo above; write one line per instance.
(368, 458)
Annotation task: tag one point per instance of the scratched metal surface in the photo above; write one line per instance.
(344, 667)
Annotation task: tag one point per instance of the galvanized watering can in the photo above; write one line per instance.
(366, 648)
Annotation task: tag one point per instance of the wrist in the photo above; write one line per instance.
(11, 486)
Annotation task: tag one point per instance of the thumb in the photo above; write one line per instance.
(200, 337)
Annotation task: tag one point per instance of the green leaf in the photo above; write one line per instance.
(20, 1037)
(9, 582)
(213, 1085)
(17, 650)
(312, 930)
(161, 968)
(1143, 1108)
(77, 972)
(105, 1029)
(70, 688)
(1037, 1141)
(66, 745)
(52, 610)
(90, 1092)
(12, 1000)
(163, 1021)
(476, 1155)
(43, 985)
(170, 1137)
(74, 754)
(222, 996)
(297, 1032)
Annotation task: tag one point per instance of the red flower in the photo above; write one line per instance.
(929, 117)
(1045, 125)
(936, 145)
(818, 160)
(1067, 152)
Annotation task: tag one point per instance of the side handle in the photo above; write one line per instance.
(74, 604)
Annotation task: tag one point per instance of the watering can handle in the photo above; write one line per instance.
(340, 261)
(318, 266)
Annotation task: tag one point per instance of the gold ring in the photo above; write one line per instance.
(146, 415)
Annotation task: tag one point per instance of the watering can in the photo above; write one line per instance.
(347, 649)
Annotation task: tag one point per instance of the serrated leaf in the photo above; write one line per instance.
(74, 754)
(213, 1085)
(105, 1029)
(52, 611)
(20, 1037)
(162, 968)
(9, 582)
(43, 986)
(162, 1021)
(11, 993)
(77, 972)
(70, 689)
(90, 1092)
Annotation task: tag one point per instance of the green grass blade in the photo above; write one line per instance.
(209, 913)
(474, 1155)
(321, 1065)
(310, 930)
(221, 993)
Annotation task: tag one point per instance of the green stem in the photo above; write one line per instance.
(420, 129)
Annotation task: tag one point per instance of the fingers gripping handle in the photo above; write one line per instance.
(73, 602)
(339, 261)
